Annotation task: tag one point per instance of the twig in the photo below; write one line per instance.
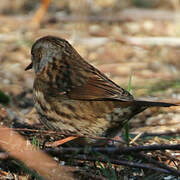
(83, 154)
(113, 150)
(161, 165)
(46, 132)
(120, 162)
(160, 134)
(136, 138)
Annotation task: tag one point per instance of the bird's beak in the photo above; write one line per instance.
(29, 67)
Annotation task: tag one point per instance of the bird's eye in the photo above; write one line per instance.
(36, 54)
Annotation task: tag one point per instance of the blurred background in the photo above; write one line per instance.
(123, 39)
(119, 37)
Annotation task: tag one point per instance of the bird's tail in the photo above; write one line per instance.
(152, 103)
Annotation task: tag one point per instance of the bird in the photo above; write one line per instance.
(72, 96)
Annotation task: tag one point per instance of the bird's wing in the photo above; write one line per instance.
(98, 87)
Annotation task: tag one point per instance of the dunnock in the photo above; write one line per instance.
(73, 96)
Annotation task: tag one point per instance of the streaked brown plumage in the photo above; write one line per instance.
(73, 96)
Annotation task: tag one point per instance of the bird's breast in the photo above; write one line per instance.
(80, 117)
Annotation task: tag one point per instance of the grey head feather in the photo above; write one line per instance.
(48, 53)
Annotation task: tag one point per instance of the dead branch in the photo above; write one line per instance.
(113, 150)
(167, 170)
(17, 147)
(157, 163)
(169, 133)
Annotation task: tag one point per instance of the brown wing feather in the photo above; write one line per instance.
(99, 87)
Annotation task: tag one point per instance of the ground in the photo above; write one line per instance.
(118, 39)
